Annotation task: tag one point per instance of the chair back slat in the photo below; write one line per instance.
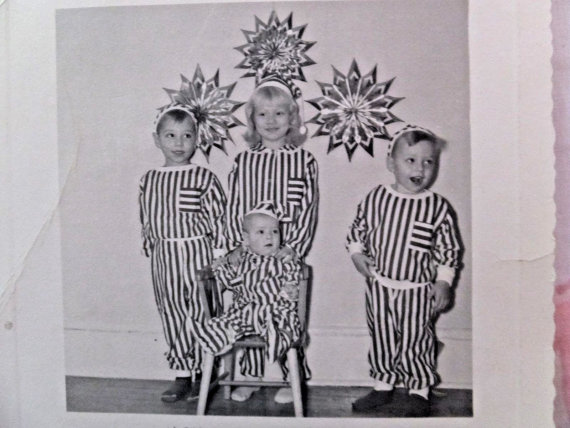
(304, 296)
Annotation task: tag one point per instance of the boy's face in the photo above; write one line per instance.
(177, 140)
(414, 167)
(271, 118)
(261, 234)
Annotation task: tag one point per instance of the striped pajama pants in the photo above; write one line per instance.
(174, 267)
(252, 363)
(403, 335)
(277, 322)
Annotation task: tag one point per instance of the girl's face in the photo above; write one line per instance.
(271, 119)
(177, 140)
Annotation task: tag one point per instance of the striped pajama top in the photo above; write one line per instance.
(182, 202)
(257, 279)
(288, 178)
(411, 238)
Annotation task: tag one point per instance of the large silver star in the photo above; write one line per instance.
(354, 110)
(275, 48)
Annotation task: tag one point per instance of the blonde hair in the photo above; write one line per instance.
(268, 93)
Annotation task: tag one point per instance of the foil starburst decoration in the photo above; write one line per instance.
(354, 110)
(275, 48)
(211, 107)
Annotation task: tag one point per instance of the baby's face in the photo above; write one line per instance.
(261, 234)
(414, 167)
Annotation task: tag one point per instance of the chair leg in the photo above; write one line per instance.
(205, 383)
(295, 380)
(229, 367)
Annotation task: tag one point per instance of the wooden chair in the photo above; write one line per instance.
(208, 292)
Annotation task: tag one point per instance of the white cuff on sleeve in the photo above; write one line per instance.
(445, 273)
(355, 247)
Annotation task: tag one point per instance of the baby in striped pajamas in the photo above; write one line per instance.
(405, 242)
(265, 292)
(274, 168)
(182, 209)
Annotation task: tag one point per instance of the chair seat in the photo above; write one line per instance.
(253, 341)
(256, 341)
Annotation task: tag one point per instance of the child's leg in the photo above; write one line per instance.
(283, 329)
(251, 360)
(279, 323)
(417, 367)
(170, 284)
(217, 335)
(383, 355)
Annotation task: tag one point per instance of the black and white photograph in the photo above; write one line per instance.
(366, 89)
(270, 213)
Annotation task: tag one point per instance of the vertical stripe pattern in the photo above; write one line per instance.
(181, 202)
(174, 268)
(287, 177)
(403, 337)
(407, 236)
(182, 213)
(257, 308)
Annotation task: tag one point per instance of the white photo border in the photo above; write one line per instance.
(511, 129)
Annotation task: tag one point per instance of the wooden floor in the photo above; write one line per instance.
(87, 394)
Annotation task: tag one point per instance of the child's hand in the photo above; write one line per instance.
(234, 256)
(290, 291)
(286, 254)
(362, 264)
(219, 261)
(441, 293)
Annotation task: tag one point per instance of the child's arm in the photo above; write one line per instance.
(148, 243)
(447, 256)
(226, 275)
(301, 234)
(290, 284)
(215, 210)
(355, 242)
(233, 223)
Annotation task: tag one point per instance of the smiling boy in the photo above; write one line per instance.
(182, 209)
(405, 242)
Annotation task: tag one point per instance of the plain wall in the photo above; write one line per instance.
(112, 64)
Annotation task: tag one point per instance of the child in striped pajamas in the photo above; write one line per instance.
(275, 168)
(182, 209)
(265, 291)
(405, 242)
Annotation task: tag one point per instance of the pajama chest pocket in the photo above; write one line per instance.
(421, 237)
(189, 199)
(295, 190)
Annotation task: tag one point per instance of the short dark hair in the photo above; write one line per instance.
(412, 138)
(178, 116)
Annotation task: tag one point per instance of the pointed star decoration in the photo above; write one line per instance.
(354, 110)
(211, 107)
(275, 48)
